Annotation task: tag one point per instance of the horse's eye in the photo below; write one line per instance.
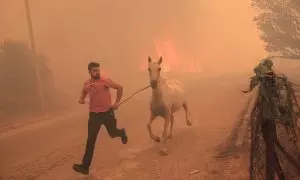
(159, 69)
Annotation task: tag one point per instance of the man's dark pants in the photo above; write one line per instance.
(96, 120)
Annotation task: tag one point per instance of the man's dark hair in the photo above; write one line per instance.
(93, 65)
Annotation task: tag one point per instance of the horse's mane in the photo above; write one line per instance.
(163, 78)
(170, 82)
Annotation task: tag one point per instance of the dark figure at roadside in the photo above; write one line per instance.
(101, 113)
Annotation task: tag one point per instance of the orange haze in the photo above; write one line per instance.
(218, 36)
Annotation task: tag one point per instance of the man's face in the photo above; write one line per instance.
(95, 72)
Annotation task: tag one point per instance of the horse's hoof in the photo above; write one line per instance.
(164, 152)
(157, 139)
(170, 137)
(189, 123)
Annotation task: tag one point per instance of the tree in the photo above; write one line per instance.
(18, 80)
(279, 21)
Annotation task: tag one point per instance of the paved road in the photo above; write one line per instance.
(47, 150)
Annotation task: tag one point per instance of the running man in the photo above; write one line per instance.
(101, 113)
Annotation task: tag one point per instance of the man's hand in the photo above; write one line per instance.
(115, 106)
(81, 101)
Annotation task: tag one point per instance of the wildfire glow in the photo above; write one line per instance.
(171, 60)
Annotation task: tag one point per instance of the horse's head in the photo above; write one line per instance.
(154, 69)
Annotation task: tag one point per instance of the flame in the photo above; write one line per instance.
(171, 60)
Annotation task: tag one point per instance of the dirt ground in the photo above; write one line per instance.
(46, 150)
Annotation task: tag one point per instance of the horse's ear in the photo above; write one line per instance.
(160, 60)
(149, 59)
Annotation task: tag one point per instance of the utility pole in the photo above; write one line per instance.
(30, 28)
(36, 63)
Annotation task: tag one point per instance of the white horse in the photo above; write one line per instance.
(167, 98)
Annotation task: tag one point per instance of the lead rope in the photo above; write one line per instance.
(128, 98)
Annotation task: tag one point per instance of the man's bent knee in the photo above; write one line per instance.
(115, 133)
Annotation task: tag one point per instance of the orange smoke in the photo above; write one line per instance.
(104, 73)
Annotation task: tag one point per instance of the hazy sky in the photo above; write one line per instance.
(120, 34)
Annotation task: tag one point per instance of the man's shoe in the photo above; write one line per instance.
(124, 137)
(80, 169)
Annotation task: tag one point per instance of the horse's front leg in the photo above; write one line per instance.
(149, 127)
(187, 114)
(164, 150)
(171, 126)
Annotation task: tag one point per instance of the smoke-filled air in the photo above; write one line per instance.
(128, 90)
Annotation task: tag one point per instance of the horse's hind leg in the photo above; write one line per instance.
(171, 127)
(149, 127)
(187, 116)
